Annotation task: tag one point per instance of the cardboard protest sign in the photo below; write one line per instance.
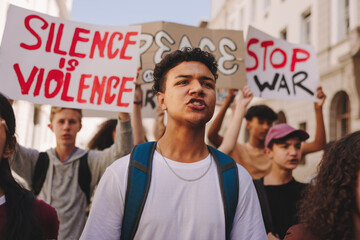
(280, 70)
(50, 60)
(161, 38)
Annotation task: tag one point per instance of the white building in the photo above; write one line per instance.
(333, 28)
(32, 119)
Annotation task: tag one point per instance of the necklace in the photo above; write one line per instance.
(180, 177)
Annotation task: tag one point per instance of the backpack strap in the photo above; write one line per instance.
(264, 204)
(139, 177)
(229, 186)
(84, 178)
(40, 172)
(42, 166)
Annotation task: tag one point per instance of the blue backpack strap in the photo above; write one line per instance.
(139, 177)
(229, 185)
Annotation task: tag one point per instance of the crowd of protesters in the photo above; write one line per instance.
(185, 196)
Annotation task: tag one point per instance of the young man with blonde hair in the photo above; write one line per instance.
(56, 175)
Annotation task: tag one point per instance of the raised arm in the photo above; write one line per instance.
(213, 133)
(136, 120)
(320, 135)
(232, 133)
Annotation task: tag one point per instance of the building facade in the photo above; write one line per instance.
(333, 28)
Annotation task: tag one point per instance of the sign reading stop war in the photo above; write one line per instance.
(277, 69)
(161, 38)
(50, 60)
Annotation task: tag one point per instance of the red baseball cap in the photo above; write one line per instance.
(282, 130)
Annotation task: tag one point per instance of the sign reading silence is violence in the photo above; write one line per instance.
(277, 69)
(50, 60)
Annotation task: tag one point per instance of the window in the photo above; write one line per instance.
(339, 116)
(306, 28)
(266, 4)
(253, 11)
(346, 17)
(241, 19)
(283, 34)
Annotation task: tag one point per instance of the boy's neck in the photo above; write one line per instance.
(256, 143)
(278, 176)
(183, 144)
(64, 151)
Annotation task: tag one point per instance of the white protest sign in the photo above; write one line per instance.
(50, 60)
(277, 69)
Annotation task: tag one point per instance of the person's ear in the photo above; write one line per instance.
(247, 124)
(9, 149)
(268, 152)
(7, 152)
(161, 100)
(80, 127)
(51, 127)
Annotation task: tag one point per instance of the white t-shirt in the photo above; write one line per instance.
(174, 208)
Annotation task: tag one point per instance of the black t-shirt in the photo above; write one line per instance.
(283, 200)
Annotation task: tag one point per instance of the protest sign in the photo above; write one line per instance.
(50, 60)
(277, 69)
(161, 38)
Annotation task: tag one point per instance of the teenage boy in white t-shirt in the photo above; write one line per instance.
(184, 199)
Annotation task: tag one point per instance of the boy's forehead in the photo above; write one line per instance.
(67, 112)
(261, 119)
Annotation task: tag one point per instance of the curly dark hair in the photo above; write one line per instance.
(175, 58)
(104, 136)
(329, 203)
(262, 112)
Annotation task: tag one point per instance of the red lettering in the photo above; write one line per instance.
(50, 38)
(122, 90)
(38, 38)
(58, 77)
(98, 88)
(110, 45)
(279, 65)
(25, 86)
(64, 95)
(295, 59)
(73, 63)
(252, 54)
(100, 43)
(40, 79)
(82, 86)
(77, 38)
(109, 98)
(126, 43)
(265, 44)
(58, 40)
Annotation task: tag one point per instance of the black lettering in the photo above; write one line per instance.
(149, 98)
(283, 84)
(298, 83)
(266, 84)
